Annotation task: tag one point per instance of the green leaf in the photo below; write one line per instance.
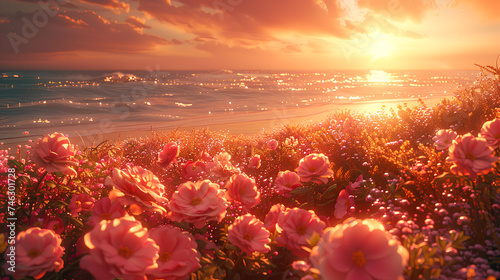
(303, 190)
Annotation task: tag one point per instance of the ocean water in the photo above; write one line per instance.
(89, 102)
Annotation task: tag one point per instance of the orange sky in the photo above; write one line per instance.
(248, 34)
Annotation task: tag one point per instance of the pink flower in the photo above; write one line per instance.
(168, 154)
(37, 251)
(343, 204)
(287, 181)
(491, 132)
(178, 256)
(54, 153)
(444, 138)
(106, 209)
(198, 203)
(136, 185)
(80, 202)
(254, 162)
(470, 156)
(56, 224)
(120, 248)
(193, 170)
(354, 186)
(243, 189)
(315, 168)
(248, 233)
(359, 249)
(272, 217)
(272, 144)
(222, 166)
(296, 226)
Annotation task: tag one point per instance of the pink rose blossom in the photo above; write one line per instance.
(354, 186)
(193, 170)
(120, 248)
(106, 209)
(222, 166)
(198, 203)
(315, 168)
(54, 153)
(296, 226)
(272, 144)
(287, 181)
(56, 224)
(168, 154)
(272, 217)
(37, 251)
(136, 185)
(491, 132)
(470, 156)
(248, 233)
(80, 202)
(343, 204)
(178, 256)
(254, 162)
(444, 138)
(241, 188)
(359, 249)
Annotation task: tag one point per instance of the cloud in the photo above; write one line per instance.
(68, 31)
(399, 10)
(256, 20)
(110, 4)
(137, 22)
(489, 9)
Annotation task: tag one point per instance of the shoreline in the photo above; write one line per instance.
(235, 123)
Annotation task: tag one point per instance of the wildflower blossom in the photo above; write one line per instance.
(296, 226)
(249, 234)
(272, 144)
(120, 248)
(178, 256)
(136, 185)
(491, 132)
(272, 217)
(106, 209)
(444, 138)
(254, 162)
(222, 166)
(167, 156)
(193, 170)
(80, 202)
(37, 251)
(287, 181)
(54, 152)
(359, 249)
(315, 168)
(241, 188)
(198, 203)
(470, 156)
(343, 204)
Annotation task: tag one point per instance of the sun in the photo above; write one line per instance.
(380, 48)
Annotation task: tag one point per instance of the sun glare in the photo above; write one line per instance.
(378, 76)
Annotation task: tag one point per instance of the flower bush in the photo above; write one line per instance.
(378, 196)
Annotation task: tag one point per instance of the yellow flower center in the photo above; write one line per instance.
(358, 258)
(242, 191)
(312, 169)
(470, 156)
(301, 230)
(497, 135)
(196, 201)
(33, 253)
(78, 204)
(125, 252)
(106, 216)
(164, 257)
(247, 236)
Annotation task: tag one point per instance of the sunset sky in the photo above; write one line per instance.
(248, 34)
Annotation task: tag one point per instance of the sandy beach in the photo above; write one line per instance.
(246, 123)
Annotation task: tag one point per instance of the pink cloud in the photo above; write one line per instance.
(68, 31)
(137, 22)
(111, 4)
